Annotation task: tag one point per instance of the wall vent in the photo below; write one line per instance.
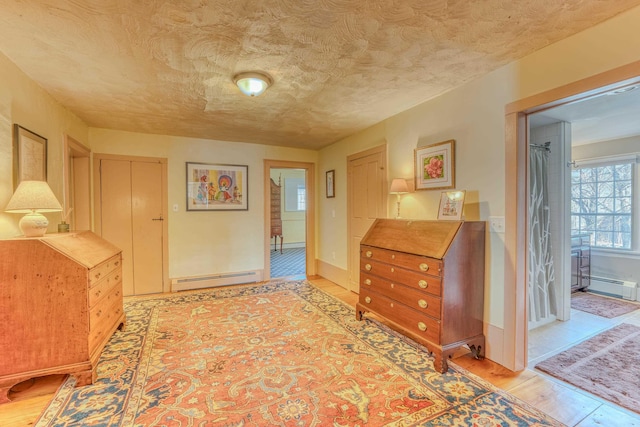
(619, 288)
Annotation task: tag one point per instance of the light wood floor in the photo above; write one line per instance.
(563, 402)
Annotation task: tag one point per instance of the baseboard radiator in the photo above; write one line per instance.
(213, 280)
(620, 288)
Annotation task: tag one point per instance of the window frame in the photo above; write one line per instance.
(633, 215)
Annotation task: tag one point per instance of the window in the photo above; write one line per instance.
(601, 203)
(295, 194)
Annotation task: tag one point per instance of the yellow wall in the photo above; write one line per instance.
(473, 115)
(27, 104)
(205, 242)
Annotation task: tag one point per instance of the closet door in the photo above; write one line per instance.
(131, 217)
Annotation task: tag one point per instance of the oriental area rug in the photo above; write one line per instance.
(278, 354)
(605, 365)
(602, 306)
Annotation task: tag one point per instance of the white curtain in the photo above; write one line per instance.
(541, 274)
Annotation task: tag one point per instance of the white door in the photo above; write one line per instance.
(367, 201)
(131, 217)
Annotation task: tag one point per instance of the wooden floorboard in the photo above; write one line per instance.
(565, 403)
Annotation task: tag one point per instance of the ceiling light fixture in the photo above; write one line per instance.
(252, 83)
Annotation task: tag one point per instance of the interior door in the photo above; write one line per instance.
(131, 217)
(367, 201)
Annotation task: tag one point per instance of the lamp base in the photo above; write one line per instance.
(33, 224)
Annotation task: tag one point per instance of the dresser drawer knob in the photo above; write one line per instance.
(367, 300)
(367, 282)
(422, 326)
(369, 254)
(393, 270)
(393, 256)
(423, 284)
(422, 303)
(367, 267)
(424, 267)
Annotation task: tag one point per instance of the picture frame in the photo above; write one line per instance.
(331, 183)
(435, 166)
(29, 156)
(451, 205)
(217, 187)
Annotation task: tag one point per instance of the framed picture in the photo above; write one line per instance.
(29, 156)
(434, 166)
(216, 187)
(451, 204)
(331, 184)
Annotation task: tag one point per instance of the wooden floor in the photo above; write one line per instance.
(563, 402)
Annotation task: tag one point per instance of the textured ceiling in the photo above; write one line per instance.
(166, 67)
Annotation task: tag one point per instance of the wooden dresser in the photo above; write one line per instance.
(60, 302)
(426, 279)
(276, 213)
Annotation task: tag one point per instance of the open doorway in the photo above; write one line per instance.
(583, 233)
(296, 215)
(288, 222)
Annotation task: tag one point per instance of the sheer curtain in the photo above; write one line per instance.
(541, 272)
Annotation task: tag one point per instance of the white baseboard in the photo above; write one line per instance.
(216, 279)
(331, 272)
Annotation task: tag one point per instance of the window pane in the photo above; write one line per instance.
(623, 188)
(587, 175)
(605, 173)
(605, 189)
(604, 239)
(605, 205)
(623, 172)
(622, 223)
(623, 205)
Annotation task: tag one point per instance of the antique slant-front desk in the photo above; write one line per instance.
(426, 279)
(60, 302)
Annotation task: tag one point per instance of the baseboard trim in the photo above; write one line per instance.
(333, 273)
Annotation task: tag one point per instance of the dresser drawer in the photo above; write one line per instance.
(103, 269)
(105, 286)
(416, 299)
(419, 324)
(411, 262)
(413, 279)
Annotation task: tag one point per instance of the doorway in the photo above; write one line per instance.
(76, 202)
(516, 158)
(131, 212)
(297, 237)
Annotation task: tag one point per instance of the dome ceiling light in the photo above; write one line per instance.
(253, 83)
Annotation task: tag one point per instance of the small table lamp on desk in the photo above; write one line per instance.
(398, 187)
(32, 198)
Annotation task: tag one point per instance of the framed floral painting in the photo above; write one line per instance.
(434, 166)
(217, 187)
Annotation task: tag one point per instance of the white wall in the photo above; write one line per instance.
(293, 222)
(206, 242)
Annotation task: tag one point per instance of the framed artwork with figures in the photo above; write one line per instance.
(217, 187)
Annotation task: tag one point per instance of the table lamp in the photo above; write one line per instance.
(33, 197)
(399, 187)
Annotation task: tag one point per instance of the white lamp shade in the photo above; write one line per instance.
(399, 186)
(252, 84)
(33, 196)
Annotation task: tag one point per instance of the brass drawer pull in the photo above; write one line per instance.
(393, 256)
(367, 282)
(368, 254)
(424, 267)
(422, 326)
(422, 303)
(367, 300)
(367, 267)
(423, 284)
(393, 270)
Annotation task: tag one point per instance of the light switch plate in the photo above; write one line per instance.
(496, 224)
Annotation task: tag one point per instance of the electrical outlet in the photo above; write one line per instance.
(175, 207)
(496, 224)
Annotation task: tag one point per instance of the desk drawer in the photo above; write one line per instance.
(417, 299)
(410, 262)
(103, 308)
(413, 279)
(102, 270)
(105, 286)
(417, 323)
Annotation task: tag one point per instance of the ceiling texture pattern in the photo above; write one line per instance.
(339, 66)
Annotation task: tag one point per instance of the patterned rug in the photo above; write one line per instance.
(290, 262)
(278, 354)
(601, 306)
(605, 365)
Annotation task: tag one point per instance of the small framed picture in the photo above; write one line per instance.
(451, 204)
(217, 187)
(331, 184)
(29, 156)
(434, 166)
